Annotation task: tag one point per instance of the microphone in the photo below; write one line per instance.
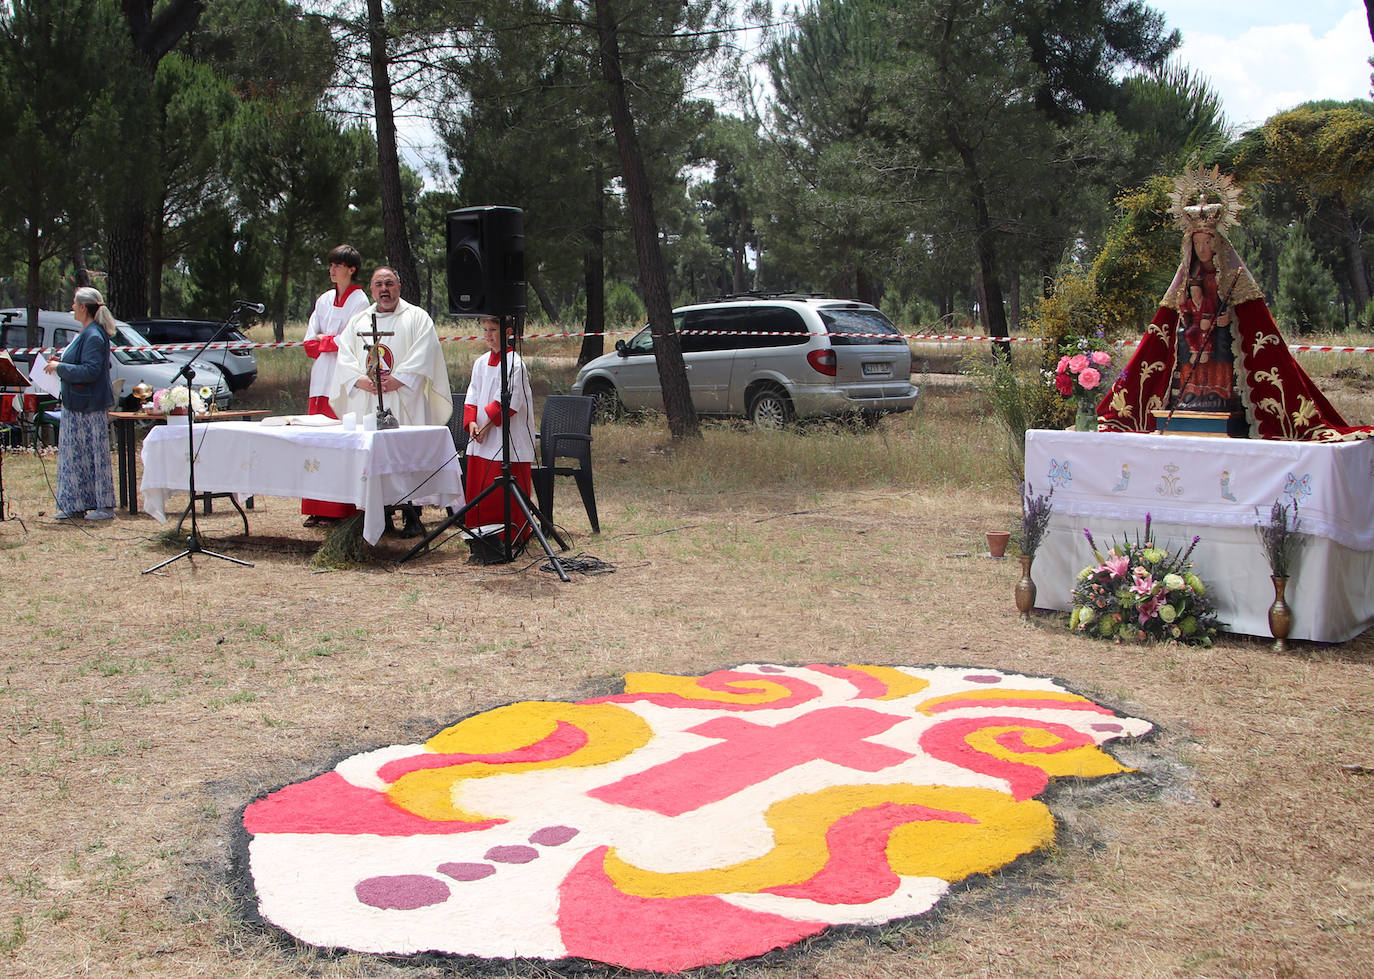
(252, 307)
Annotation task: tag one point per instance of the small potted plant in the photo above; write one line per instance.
(1035, 520)
(1279, 536)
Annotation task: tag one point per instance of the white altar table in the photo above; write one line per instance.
(371, 470)
(1218, 489)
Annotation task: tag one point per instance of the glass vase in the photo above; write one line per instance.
(1085, 419)
(1280, 615)
(1025, 589)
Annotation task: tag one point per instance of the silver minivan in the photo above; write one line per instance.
(133, 367)
(768, 359)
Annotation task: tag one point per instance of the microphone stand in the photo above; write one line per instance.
(188, 371)
(506, 480)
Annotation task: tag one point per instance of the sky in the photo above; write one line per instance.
(1259, 56)
(1265, 56)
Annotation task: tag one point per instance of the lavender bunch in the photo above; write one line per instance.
(1279, 537)
(1035, 518)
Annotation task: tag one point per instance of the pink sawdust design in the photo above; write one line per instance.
(330, 804)
(867, 686)
(751, 753)
(948, 741)
(857, 870)
(598, 921)
(565, 739)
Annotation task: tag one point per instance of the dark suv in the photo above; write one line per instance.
(240, 367)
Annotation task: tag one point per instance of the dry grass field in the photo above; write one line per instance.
(139, 714)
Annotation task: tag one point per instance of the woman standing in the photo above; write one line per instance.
(85, 483)
(482, 417)
(332, 312)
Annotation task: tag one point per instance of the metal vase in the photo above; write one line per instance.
(1280, 615)
(1025, 589)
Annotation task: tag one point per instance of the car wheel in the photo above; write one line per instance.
(606, 404)
(769, 408)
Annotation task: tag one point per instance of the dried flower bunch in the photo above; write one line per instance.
(1280, 538)
(1035, 518)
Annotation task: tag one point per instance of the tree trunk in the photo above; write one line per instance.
(653, 277)
(152, 36)
(546, 302)
(1354, 255)
(284, 284)
(128, 282)
(33, 284)
(594, 284)
(81, 276)
(156, 239)
(994, 311)
(389, 160)
(738, 267)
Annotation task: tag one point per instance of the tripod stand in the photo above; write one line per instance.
(193, 544)
(505, 482)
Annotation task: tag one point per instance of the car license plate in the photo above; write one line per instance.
(877, 370)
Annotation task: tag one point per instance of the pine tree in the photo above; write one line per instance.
(1307, 290)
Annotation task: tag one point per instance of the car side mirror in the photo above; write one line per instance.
(620, 348)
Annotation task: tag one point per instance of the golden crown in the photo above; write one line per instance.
(1205, 200)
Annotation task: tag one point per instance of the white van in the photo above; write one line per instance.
(768, 359)
(132, 366)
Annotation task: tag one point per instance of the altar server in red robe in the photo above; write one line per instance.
(483, 419)
(331, 314)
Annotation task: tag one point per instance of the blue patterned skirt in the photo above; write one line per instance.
(84, 477)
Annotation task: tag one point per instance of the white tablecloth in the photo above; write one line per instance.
(371, 470)
(1219, 489)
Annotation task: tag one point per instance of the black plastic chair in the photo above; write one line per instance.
(565, 432)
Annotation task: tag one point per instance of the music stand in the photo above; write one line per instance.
(188, 371)
(504, 481)
(10, 377)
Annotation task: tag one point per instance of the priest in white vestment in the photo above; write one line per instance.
(414, 375)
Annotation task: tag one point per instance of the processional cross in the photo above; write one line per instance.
(385, 419)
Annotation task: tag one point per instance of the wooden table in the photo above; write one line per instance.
(126, 447)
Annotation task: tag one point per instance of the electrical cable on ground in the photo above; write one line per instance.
(582, 564)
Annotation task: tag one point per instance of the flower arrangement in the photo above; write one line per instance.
(1280, 538)
(1035, 518)
(1138, 591)
(168, 400)
(1084, 370)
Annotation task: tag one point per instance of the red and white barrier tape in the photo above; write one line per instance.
(282, 344)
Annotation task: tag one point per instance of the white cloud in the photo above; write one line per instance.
(1266, 69)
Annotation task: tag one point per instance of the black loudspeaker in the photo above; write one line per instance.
(486, 260)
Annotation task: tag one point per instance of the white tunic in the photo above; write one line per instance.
(415, 359)
(328, 320)
(484, 389)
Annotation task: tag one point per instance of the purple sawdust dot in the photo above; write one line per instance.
(983, 678)
(466, 871)
(512, 854)
(1108, 727)
(553, 835)
(771, 669)
(402, 892)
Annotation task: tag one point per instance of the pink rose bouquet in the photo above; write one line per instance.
(1084, 370)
